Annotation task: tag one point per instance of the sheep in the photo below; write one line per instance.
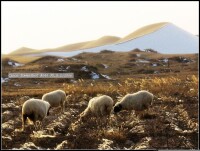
(35, 110)
(138, 101)
(100, 106)
(56, 98)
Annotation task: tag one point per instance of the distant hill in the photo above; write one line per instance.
(67, 48)
(102, 41)
(143, 31)
(23, 50)
(163, 37)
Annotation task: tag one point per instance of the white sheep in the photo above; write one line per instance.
(100, 106)
(35, 110)
(56, 98)
(138, 101)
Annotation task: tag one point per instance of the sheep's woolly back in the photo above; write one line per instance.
(136, 101)
(99, 106)
(35, 106)
(55, 98)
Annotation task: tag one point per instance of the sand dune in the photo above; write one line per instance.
(67, 48)
(143, 31)
(23, 50)
(83, 45)
(101, 41)
(76, 46)
(171, 39)
(105, 40)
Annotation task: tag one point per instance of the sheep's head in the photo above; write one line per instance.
(85, 115)
(117, 108)
(48, 110)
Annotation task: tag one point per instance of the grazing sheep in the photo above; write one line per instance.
(56, 98)
(138, 101)
(100, 106)
(35, 110)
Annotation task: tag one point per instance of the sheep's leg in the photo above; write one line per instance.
(98, 122)
(103, 110)
(35, 121)
(38, 125)
(103, 122)
(41, 125)
(35, 125)
(62, 106)
(107, 121)
(110, 120)
(24, 117)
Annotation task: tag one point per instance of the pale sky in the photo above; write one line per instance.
(41, 25)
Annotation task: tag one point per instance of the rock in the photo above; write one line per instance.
(7, 115)
(180, 101)
(29, 145)
(42, 139)
(129, 143)
(143, 144)
(105, 145)
(137, 129)
(63, 145)
(83, 103)
(6, 140)
(23, 99)
(58, 126)
(176, 128)
(8, 126)
(8, 105)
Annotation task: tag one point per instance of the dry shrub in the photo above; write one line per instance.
(117, 135)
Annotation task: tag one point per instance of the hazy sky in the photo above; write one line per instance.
(41, 25)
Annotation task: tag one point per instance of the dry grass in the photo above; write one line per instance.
(20, 58)
(170, 123)
(161, 123)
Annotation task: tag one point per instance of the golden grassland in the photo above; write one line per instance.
(175, 105)
(20, 58)
(186, 85)
(170, 123)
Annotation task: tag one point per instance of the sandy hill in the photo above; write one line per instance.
(71, 47)
(162, 37)
(143, 31)
(23, 50)
(67, 48)
(102, 41)
(84, 45)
